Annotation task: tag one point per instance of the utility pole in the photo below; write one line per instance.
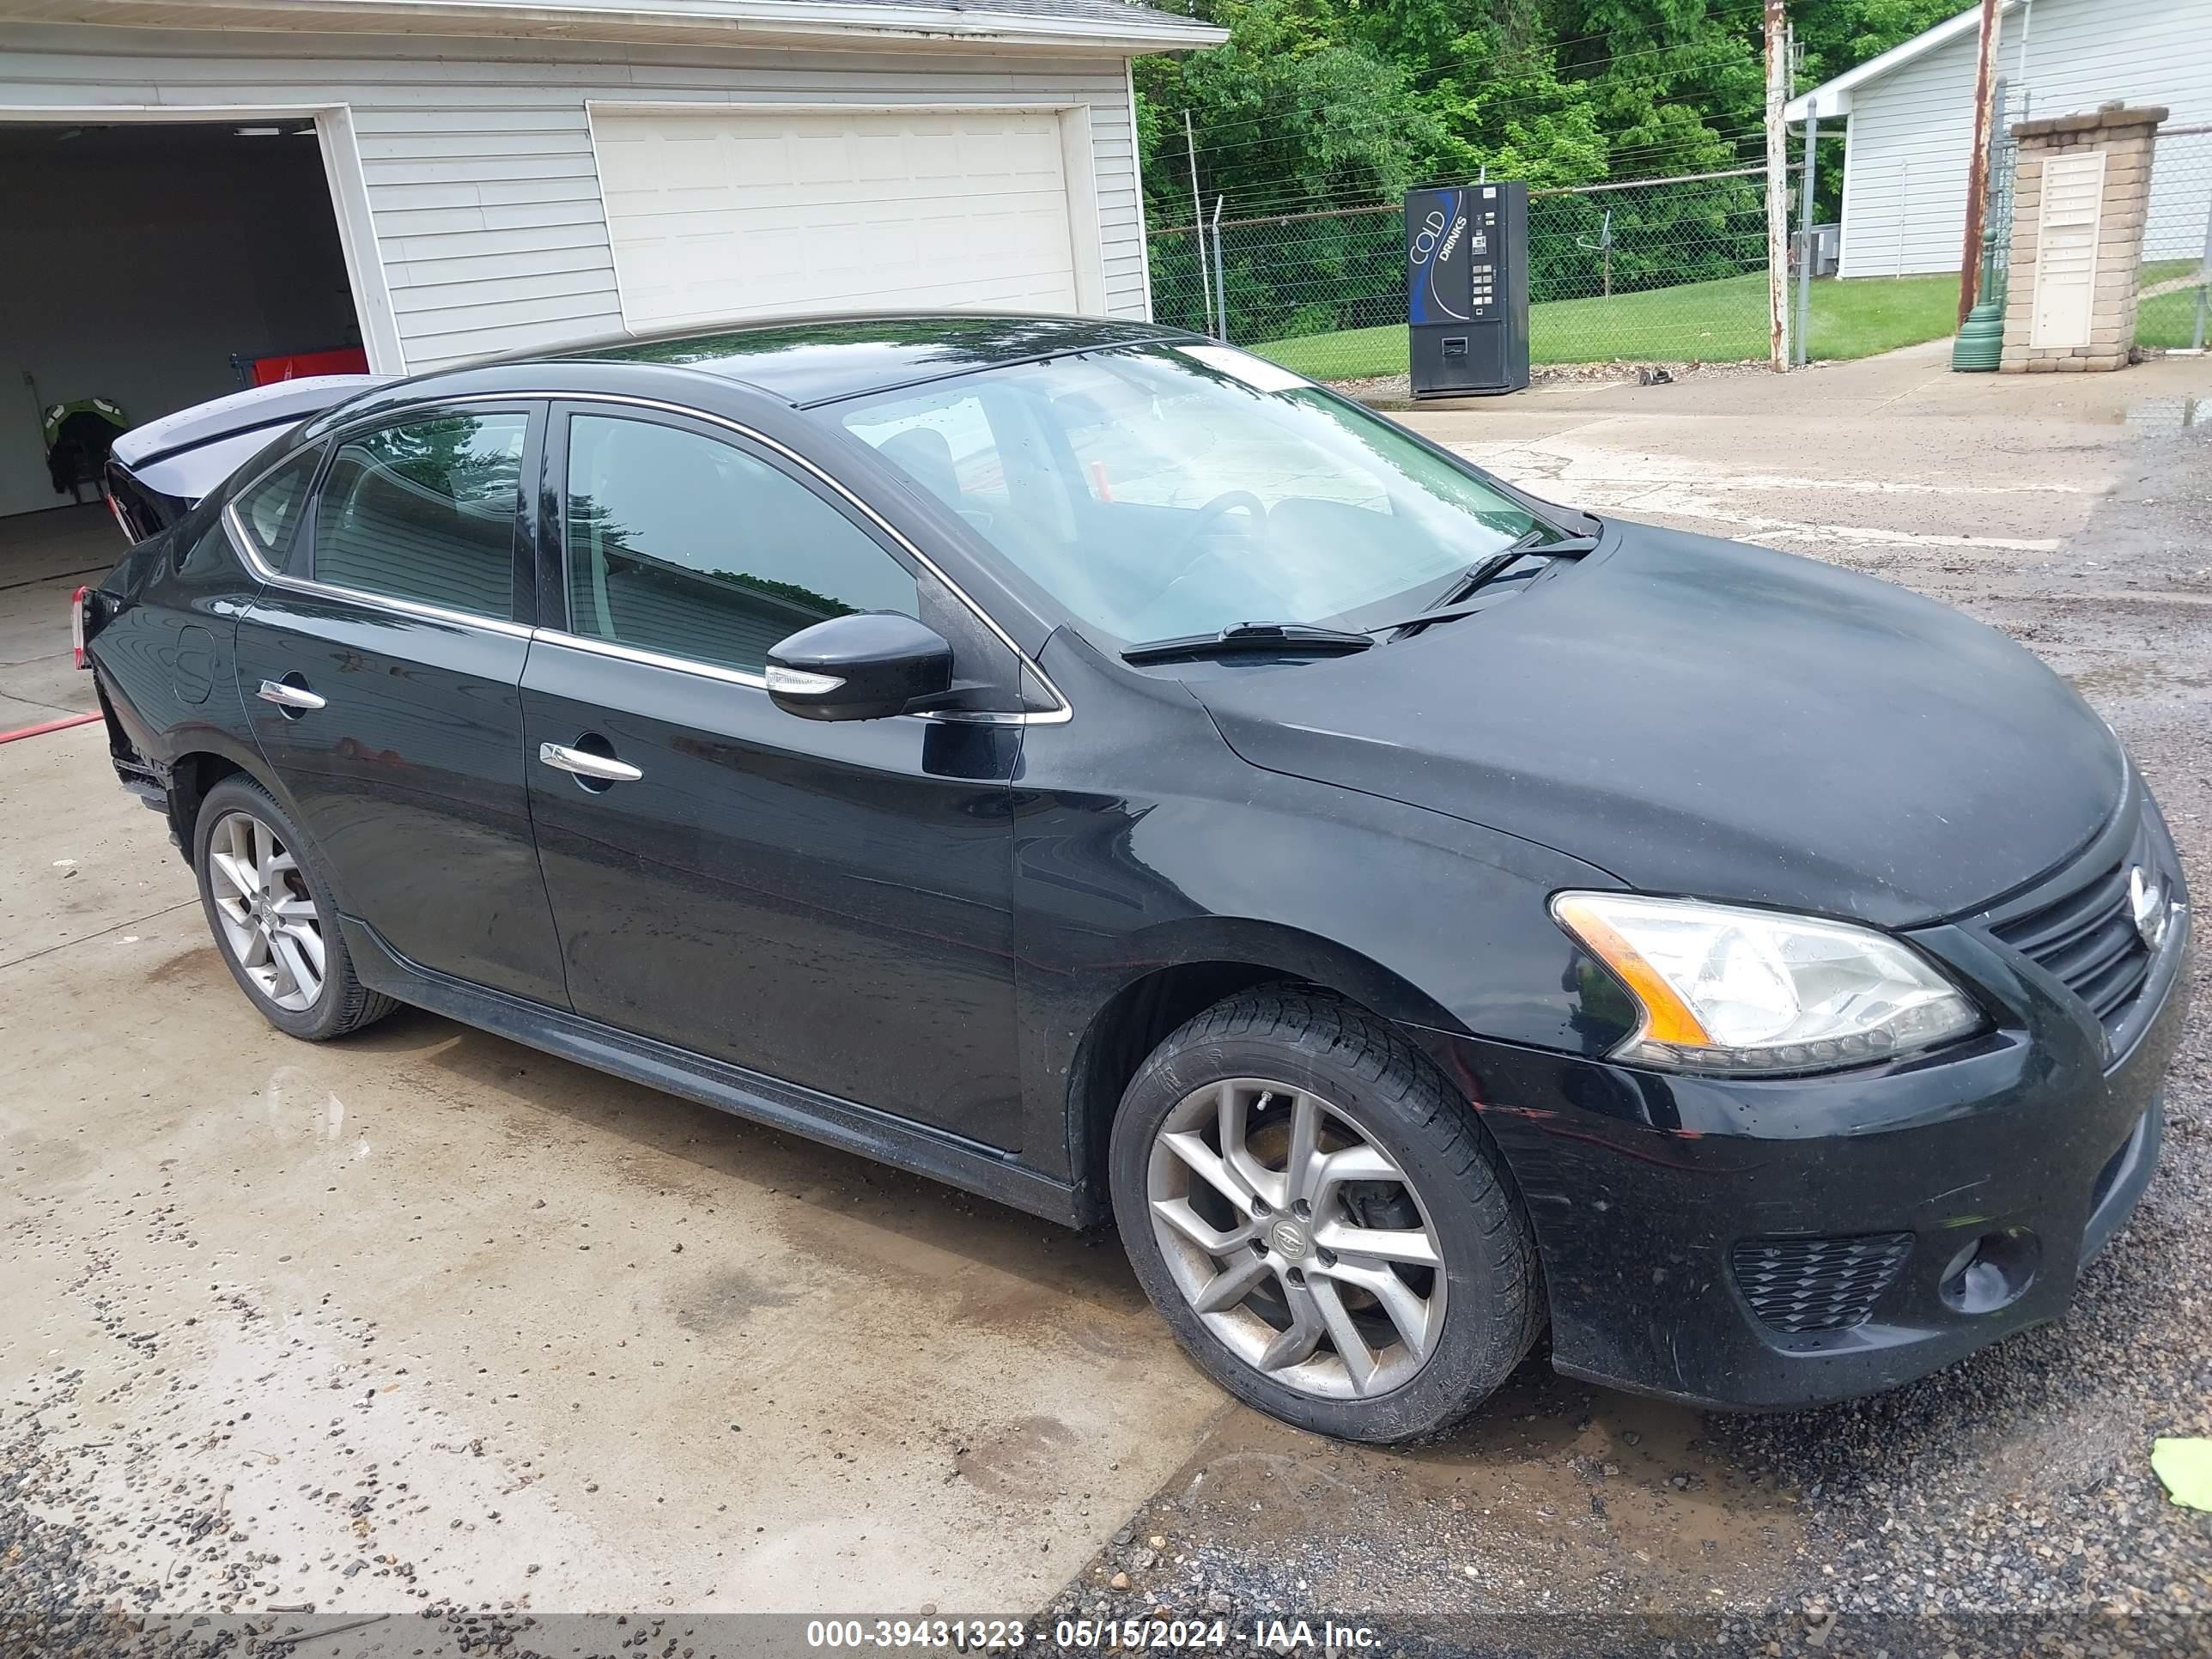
(1198, 222)
(1778, 187)
(1978, 164)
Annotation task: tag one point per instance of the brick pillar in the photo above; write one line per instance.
(2071, 340)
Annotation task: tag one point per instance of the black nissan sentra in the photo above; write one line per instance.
(1096, 769)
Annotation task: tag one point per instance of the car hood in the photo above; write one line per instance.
(1703, 717)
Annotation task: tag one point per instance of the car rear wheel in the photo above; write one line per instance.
(1319, 1217)
(272, 918)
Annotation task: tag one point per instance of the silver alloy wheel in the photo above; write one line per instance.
(1262, 1197)
(269, 923)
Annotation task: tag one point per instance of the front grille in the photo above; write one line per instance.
(1802, 1285)
(2086, 937)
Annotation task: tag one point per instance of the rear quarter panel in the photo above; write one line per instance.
(165, 658)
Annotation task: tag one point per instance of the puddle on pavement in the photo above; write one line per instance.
(1557, 1497)
(2160, 417)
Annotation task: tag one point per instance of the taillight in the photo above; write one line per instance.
(78, 600)
(122, 522)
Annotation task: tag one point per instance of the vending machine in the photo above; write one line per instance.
(1467, 290)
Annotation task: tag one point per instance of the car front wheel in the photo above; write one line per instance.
(272, 917)
(1321, 1219)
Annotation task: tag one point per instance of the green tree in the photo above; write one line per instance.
(1320, 105)
(1840, 34)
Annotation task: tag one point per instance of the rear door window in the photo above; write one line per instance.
(425, 511)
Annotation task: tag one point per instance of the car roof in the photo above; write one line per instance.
(814, 359)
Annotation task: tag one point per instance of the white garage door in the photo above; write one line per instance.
(725, 214)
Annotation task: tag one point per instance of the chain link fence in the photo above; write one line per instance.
(1669, 270)
(1665, 270)
(2173, 285)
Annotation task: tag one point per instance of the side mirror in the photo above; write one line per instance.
(866, 666)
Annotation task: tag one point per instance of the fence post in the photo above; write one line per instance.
(1220, 282)
(1778, 191)
(1198, 218)
(1805, 260)
(2203, 277)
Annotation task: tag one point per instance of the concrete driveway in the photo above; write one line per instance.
(426, 1320)
(594, 1346)
(44, 556)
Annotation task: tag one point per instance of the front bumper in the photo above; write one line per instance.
(1666, 1207)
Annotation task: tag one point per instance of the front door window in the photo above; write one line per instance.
(684, 546)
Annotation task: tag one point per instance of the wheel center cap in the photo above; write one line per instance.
(1290, 1237)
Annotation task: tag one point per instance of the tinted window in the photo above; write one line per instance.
(426, 512)
(684, 545)
(271, 507)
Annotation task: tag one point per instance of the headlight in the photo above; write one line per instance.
(1732, 990)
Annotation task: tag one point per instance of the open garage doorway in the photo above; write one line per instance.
(151, 265)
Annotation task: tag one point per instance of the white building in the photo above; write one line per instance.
(1910, 116)
(186, 182)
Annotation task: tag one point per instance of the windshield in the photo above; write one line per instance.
(1158, 491)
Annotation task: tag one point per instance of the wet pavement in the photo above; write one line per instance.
(427, 1319)
(425, 1323)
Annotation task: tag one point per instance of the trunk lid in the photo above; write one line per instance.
(157, 472)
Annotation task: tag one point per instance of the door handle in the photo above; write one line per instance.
(288, 696)
(605, 768)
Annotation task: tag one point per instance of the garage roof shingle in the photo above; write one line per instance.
(1101, 11)
(1118, 26)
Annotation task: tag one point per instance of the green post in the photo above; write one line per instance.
(1981, 338)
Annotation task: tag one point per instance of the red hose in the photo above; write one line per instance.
(40, 729)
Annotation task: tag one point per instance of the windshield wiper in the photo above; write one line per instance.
(1453, 603)
(1273, 639)
(1311, 640)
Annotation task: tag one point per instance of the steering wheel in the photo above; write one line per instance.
(1195, 573)
(1227, 501)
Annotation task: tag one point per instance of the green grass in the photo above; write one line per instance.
(2171, 319)
(1722, 321)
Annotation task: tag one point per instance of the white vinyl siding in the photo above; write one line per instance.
(1905, 179)
(478, 155)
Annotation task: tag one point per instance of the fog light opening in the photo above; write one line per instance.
(1993, 1272)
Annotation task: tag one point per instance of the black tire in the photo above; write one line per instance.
(344, 1004)
(1373, 1077)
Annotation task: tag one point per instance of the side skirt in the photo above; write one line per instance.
(834, 1122)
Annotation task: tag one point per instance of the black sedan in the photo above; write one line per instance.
(1093, 767)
